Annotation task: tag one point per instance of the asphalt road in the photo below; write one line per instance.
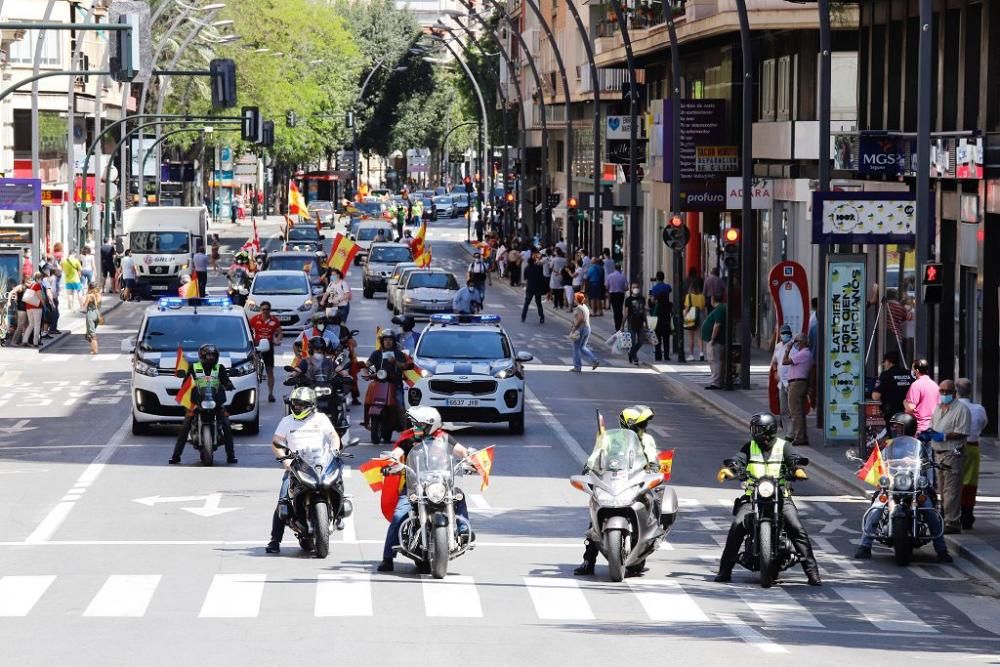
(109, 556)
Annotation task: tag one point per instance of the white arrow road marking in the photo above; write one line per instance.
(19, 427)
(833, 525)
(210, 508)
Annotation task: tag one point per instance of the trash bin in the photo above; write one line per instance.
(872, 423)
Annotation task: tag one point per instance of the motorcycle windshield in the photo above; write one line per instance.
(902, 455)
(621, 453)
(313, 450)
(431, 460)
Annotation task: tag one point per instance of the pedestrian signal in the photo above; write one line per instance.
(932, 283)
(731, 249)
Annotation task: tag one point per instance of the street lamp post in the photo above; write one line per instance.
(675, 184)
(748, 247)
(354, 120)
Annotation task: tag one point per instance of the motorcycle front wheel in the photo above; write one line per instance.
(206, 444)
(615, 550)
(321, 524)
(375, 428)
(766, 550)
(439, 552)
(902, 544)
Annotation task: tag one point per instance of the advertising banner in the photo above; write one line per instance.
(20, 194)
(789, 286)
(845, 349)
(865, 217)
(618, 127)
(702, 125)
(761, 193)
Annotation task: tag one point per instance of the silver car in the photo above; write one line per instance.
(425, 292)
(382, 259)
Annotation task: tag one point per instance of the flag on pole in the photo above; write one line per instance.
(389, 485)
(413, 375)
(342, 254)
(423, 260)
(181, 367)
(417, 244)
(666, 460)
(873, 468)
(253, 243)
(296, 202)
(378, 338)
(482, 461)
(191, 290)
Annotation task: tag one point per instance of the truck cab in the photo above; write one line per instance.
(163, 241)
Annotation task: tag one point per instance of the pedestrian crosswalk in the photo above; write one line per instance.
(551, 598)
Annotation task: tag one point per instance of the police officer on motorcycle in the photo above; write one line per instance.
(634, 418)
(766, 455)
(425, 422)
(210, 380)
(902, 424)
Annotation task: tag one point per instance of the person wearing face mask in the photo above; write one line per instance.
(798, 358)
(635, 320)
(922, 396)
(892, 385)
(781, 373)
(949, 431)
(467, 300)
(338, 295)
(317, 361)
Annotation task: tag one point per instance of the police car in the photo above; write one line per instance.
(190, 323)
(470, 371)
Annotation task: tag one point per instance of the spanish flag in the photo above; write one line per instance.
(417, 244)
(423, 260)
(666, 460)
(482, 461)
(873, 468)
(413, 375)
(181, 367)
(342, 254)
(191, 290)
(389, 485)
(378, 338)
(296, 202)
(484, 248)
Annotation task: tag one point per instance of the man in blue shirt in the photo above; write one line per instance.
(617, 285)
(467, 300)
(595, 288)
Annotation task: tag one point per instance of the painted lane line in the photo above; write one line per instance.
(568, 544)
(776, 607)
(454, 597)
(558, 599)
(478, 502)
(710, 524)
(18, 594)
(233, 596)
(124, 595)
(44, 531)
(882, 610)
(981, 610)
(567, 440)
(344, 595)
(750, 636)
(667, 601)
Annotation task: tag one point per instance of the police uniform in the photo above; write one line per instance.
(212, 384)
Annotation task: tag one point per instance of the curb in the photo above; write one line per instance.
(65, 333)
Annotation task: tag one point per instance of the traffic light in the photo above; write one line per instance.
(223, 71)
(125, 61)
(291, 120)
(731, 249)
(251, 128)
(932, 283)
(676, 233)
(509, 198)
(571, 205)
(267, 134)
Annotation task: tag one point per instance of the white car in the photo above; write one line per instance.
(395, 281)
(289, 294)
(470, 371)
(367, 234)
(425, 292)
(174, 322)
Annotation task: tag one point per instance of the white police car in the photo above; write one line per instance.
(189, 324)
(470, 371)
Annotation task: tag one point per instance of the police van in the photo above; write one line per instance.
(190, 323)
(470, 371)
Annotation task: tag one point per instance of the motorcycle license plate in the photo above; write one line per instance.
(462, 402)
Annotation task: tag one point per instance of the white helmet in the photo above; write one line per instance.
(424, 418)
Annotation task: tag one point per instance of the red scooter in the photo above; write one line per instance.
(381, 404)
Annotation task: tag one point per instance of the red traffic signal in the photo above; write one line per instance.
(571, 202)
(676, 222)
(932, 283)
(932, 274)
(510, 197)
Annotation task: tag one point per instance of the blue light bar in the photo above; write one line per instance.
(175, 302)
(442, 318)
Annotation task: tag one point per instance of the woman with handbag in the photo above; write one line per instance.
(92, 308)
(579, 333)
(694, 308)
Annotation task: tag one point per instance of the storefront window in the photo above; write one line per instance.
(900, 299)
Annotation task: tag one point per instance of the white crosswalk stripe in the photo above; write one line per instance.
(882, 610)
(776, 607)
(344, 595)
(234, 596)
(558, 599)
(124, 595)
(981, 610)
(18, 594)
(667, 601)
(454, 597)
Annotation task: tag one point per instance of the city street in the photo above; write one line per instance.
(110, 556)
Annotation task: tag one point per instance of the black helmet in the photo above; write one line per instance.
(334, 319)
(763, 429)
(208, 355)
(902, 424)
(317, 344)
(387, 334)
(407, 322)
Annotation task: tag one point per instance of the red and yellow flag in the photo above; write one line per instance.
(423, 260)
(181, 367)
(191, 290)
(413, 375)
(389, 485)
(666, 460)
(417, 244)
(342, 254)
(484, 248)
(482, 461)
(873, 468)
(296, 202)
(180, 362)
(372, 472)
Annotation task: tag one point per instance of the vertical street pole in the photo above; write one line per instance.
(36, 220)
(825, 76)
(634, 223)
(748, 248)
(675, 185)
(923, 240)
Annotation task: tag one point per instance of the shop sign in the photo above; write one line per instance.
(618, 127)
(52, 197)
(843, 374)
(761, 193)
(20, 194)
(706, 196)
(865, 217)
(716, 159)
(882, 154)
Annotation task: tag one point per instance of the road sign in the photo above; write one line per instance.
(209, 509)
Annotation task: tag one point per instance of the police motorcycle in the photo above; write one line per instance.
(239, 284)
(206, 431)
(904, 525)
(316, 499)
(631, 511)
(431, 534)
(767, 548)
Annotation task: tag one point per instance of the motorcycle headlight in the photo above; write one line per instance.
(435, 492)
(306, 306)
(208, 405)
(381, 374)
(884, 481)
(903, 482)
(143, 368)
(323, 391)
(246, 368)
(922, 483)
(765, 489)
(408, 300)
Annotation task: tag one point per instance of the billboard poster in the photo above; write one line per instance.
(864, 217)
(20, 194)
(702, 126)
(789, 287)
(844, 333)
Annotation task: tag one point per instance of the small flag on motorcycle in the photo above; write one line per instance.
(389, 485)
(666, 460)
(873, 469)
(482, 461)
(372, 472)
(181, 367)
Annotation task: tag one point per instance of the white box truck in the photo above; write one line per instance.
(163, 241)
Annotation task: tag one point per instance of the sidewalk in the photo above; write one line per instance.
(738, 406)
(70, 322)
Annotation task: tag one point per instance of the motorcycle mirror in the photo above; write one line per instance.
(851, 455)
(729, 463)
(353, 442)
(803, 462)
(354, 332)
(128, 346)
(397, 320)
(289, 369)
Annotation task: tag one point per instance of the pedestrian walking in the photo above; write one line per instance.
(232, 211)
(468, 300)
(579, 333)
(616, 286)
(693, 316)
(635, 321)
(595, 289)
(923, 395)
(50, 303)
(536, 286)
(21, 318)
(971, 459)
(714, 288)
(87, 271)
(713, 333)
(200, 262)
(558, 264)
(71, 269)
(108, 255)
(799, 359)
(338, 294)
(34, 303)
(93, 317)
(267, 327)
(567, 275)
(477, 274)
(128, 277)
(950, 423)
(663, 309)
(215, 253)
(501, 260)
(693, 281)
(781, 370)
(514, 265)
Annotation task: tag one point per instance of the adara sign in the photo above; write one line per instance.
(761, 193)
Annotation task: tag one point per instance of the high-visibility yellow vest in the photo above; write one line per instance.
(760, 465)
(206, 383)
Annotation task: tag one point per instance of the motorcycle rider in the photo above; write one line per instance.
(903, 424)
(345, 339)
(766, 455)
(299, 428)
(210, 379)
(409, 338)
(424, 422)
(634, 418)
(392, 361)
(317, 362)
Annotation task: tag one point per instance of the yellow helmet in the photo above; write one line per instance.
(636, 417)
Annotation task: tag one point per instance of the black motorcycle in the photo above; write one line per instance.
(331, 391)
(206, 431)
(767, 548)
(239, 287)
(316, 501)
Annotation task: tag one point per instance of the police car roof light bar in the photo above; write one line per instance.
(442, 318)
(176, 302)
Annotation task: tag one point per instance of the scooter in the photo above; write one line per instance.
(381, 404)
